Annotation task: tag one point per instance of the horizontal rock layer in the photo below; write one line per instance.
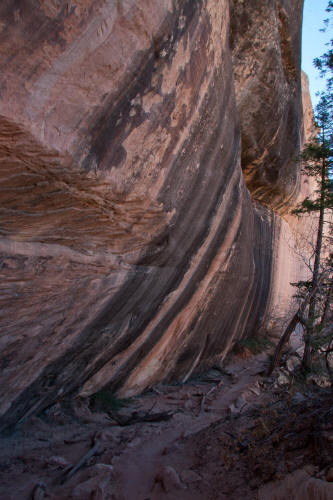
(132, 248)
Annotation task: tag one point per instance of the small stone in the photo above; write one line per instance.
(92, 488)
(106, 435)
(232, 409)
(39, 492)
(186, 396)
(319, 380)
(329, 475)
(169, 479)
(189, 404)
(136, 441)
(282, 379)
(292, 363)
(300, 351)
(102, 468)
(240, 402)
(58, 461)
(189, 476)
(299, 398)
(310, 469)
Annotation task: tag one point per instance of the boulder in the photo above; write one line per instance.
(298, 486)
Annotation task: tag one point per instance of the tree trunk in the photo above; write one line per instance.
(327, 304)
(292, 325)
(307, 356)
(283, 340)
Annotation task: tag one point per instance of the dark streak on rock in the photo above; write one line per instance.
(195, 196)
(33, 22)
(144, 293)
(111, 123)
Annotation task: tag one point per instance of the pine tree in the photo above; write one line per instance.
(317, 162)
(315, 311)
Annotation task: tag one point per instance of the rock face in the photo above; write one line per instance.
(266, 52)
(133, 250)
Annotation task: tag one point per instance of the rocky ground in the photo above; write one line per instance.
(231, 433)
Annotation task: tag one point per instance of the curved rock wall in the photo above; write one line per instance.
(297, 235)
(266, 57)
(132, 249)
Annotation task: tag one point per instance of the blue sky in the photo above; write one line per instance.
(313, 44)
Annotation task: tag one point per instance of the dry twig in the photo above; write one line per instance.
(95, 450)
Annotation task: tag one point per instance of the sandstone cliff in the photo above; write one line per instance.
(147, 153)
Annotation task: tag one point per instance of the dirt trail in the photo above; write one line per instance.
(196, 454)
(199, 403)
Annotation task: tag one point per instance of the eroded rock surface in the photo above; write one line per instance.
(132, 249)
(266, 54)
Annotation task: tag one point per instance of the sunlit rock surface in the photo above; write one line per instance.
(294, 238)
(132, 249)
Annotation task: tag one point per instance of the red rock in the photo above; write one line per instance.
(142, 179)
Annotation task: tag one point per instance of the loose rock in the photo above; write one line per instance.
(189, 476)
(169, 479)
(58, 461)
